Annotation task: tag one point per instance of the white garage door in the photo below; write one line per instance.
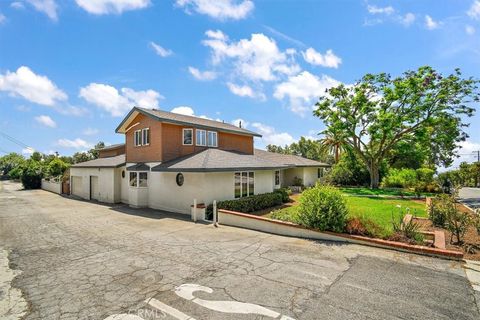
(94, 193)
(77, 186)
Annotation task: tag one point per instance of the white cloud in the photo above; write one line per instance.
(161, 51)
(202, 75)
(271, 136)
(329, 59)
(380, 10)
(245, 91)
(407, 19)
(75, 144)
(90, 131)
(303, 90)
(100, 7)
(256, 59)
(470, 30)
(28, 150)
(46, 121)
(430, 24)
(188, 111)
(237, 122)
(49, 7)
(474, 11)
(2, 18)
(183, 110)
(17, 5)
(35, 88)
(116, 102)
(219, 9)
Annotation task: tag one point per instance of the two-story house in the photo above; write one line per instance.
(169, 159)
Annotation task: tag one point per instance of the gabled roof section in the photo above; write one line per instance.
(112, 147)
(110, 162)
(216, 160)
(180, 119)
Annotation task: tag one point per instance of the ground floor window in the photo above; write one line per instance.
(244, 184)
(139, 179)
(320, 173)
(277, 177)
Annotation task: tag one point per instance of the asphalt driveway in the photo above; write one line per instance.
(79, 260)
(470, 197)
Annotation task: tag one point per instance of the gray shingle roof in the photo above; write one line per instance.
(216, 160)
(110, 162)
(112, 146)
(290, 160)
(181, 119)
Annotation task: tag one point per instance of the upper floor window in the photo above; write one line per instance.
(137, 138)
(212, 140)
(146, 136)
(201, 137)
(188, 137)
(141, 137)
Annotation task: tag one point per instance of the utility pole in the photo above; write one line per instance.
(478, 155)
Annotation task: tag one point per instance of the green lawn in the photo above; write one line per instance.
(381, 192)
(379, 210)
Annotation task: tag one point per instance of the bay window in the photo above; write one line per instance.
(139, 179)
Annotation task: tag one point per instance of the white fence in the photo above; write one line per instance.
(52, 186)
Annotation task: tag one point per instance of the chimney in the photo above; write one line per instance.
(240, 123)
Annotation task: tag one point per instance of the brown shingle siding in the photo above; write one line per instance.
(235, 142)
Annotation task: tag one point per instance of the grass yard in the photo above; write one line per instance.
(381, 192)
(377, 209)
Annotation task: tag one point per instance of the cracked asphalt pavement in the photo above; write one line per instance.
(80, 260)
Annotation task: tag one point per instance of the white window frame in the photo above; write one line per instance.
(137, 179)
(248, 191)
(214, 133)
(183, 137)
(137, 138)
(147, 131)
(197, 131)
(275, 178)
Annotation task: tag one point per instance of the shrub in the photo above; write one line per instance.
(287, 214)
(285, 192)
(32, 175)
(457, 223)
(56, 167)
(362, 226)
(249, 204)
(15, 173)
(409, 230)
(438, 210)
(400, 178)
(323, 208)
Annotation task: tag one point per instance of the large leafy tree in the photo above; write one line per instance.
(373, 116)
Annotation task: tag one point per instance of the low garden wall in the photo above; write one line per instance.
(248, 221)
(52, 186)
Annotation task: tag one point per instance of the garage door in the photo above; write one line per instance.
(94, 193)
(77, 186)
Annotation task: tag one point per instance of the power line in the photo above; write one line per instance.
(16, 141)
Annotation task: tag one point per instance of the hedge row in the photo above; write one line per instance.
(249, 204)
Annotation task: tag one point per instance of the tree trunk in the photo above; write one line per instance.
(374, 176)
(337, 156)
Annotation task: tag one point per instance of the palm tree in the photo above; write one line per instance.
(333, 143)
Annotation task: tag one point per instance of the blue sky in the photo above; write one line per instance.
(70, 69)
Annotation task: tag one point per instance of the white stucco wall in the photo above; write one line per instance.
(52, 186)
(165, 194)
(106, 180)
(310, 176)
